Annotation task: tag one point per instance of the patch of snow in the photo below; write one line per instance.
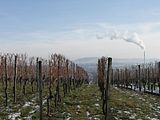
(35, 109)
(119, 112)
(153, 98)
(152, 118)
(33, 99)
(116, 118)
(112, 108)
(150, 105)
(27, 104)
(158, 107)
(127, 112)
(138, 109)
(13, 116)
(90, 118)
(158, 111)
(31, 112)
(68, 114)
(8, 109)
(133, 116)
(97, 115)
(44, 101)
(29, 117)
(63, 113)
(78, 106)
(96, 119)
(87, 113)
(97, 105)
(142, 99)
(68, 118)
(116, 88)
(37, 106)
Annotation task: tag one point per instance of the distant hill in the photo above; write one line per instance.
(86, 60)
(90, 63)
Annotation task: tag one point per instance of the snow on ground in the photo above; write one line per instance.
(90, 118)
(77, 113)
(44, 101)
(144, 104)
(149, 118)
(116, 118)
(97, 105)
(127, 112)
(96, 118)
(13, 116)
(133, 116)
(33, 105)
(78, 106)
(87, 113)
(29, 117)
(27, 104)
(119, 111)
(68, 116)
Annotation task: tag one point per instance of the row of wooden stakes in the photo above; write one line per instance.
(58, 71)
(140, 78)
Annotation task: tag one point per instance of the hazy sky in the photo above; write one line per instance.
(70, 27)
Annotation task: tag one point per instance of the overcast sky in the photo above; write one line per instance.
(70, 27)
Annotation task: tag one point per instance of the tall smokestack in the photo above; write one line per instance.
(126, 36)
(144, 58)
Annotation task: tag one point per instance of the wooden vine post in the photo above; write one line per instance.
(40, 88)
(159, 76)
(118, 78)
(139, 75)
(148, 78)
(37, 73)
(74, 76)
(67, 76)
(50, 92)
(15, 77)
(2, 70)
(6, 82)
(58, 79)
(109, 69)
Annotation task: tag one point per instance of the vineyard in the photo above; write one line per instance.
(79, 60)
(116, 82)
(32, 85)
(58, 89)
(144, 78)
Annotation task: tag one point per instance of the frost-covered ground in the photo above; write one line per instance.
(30, 107)
(126, 104)
(26, 106)
(84, 103)
(156, 90)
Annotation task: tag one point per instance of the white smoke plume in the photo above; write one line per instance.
(128, 37)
